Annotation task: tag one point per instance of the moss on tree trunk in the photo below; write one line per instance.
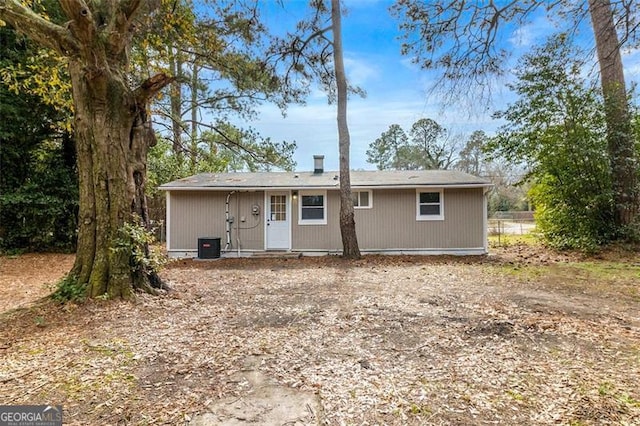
(113, 134)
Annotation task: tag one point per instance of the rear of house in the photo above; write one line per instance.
(422, 212)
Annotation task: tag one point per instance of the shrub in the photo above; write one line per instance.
(69, 290)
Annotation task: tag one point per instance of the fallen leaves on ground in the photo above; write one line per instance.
(382, 340)
(27, 277)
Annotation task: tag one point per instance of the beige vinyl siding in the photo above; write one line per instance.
(196, 214)
(391, 223)
(318, 237)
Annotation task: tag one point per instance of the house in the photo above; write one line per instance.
(421, 212)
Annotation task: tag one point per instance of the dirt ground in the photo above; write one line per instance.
(522, 336)
(28, 277)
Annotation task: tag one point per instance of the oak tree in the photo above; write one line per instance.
(112, 128)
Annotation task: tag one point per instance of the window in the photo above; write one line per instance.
(429, 204)
(313, 208)
(278, 208)
(362, 199)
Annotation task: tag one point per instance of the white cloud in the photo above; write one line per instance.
(523, 36)
(359, 71)
(409, 63)
(631, 61)
(532, 33)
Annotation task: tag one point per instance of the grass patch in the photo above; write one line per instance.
(603, 277)
(507, 240)
(609, 270)
(110, 372)
(515, 395)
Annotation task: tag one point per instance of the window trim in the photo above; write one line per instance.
(425, 217)
(302, 221)
(358, 191)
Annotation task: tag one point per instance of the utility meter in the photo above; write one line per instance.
(255, 210)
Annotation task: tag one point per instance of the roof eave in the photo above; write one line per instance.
(327, 187)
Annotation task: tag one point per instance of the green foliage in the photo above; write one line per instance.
(472, 157)
(557, 129)
(38, 184)
(228, 149)
(162, 166)
(136, 240)
(569, 223)
(217, 54)
(69, 290)
(40, 214)
(38, 204)
(35, 72)
(232, 149)
(506, 194)
(427, 147)
(385, 152)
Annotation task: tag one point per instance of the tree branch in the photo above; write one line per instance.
(34, 26)
(82, 24)
(150, 87)
(120, 25)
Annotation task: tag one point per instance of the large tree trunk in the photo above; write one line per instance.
(350, 247)
(620, 137)
(113, 134)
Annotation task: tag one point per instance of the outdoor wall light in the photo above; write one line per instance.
(294, 194)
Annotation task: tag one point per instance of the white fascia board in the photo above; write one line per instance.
(247, 189)
(298, 188)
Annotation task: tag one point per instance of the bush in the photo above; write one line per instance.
(69, 290)
(568, 222)
(137, 240)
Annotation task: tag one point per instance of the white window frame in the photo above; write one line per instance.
(440, 216)
(302, 221)
(358, 191)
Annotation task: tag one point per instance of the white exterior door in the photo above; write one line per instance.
(278, 221)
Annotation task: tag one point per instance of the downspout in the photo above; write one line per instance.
(227, 224)
(167, 236)
(485, 220)
(238, 222)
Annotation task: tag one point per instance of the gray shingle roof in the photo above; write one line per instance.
(328, 179)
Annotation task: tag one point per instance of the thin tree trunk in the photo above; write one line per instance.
(175, 101)
(194, 120)
(620, 138)
(350, 247)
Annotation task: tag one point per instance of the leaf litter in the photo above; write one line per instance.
(383, 340)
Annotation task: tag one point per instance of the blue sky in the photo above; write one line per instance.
(397, 91)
